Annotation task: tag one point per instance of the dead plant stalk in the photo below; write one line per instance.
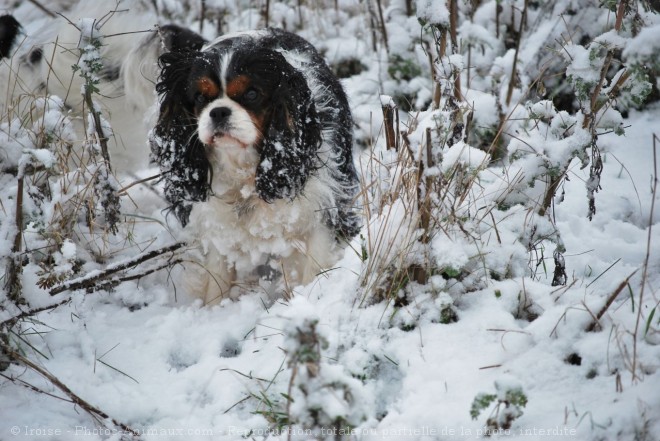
(638, 320)
(94, 411)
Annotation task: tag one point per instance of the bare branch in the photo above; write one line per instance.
(94, 411)
(92, 279)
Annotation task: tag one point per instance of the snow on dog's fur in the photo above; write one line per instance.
(254, 138)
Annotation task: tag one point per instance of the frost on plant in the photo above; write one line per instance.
(509, 401)
(322, 398)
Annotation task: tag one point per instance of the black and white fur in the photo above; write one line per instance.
(37, 53)
(254, 138)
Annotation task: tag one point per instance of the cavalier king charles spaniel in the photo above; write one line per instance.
(254, 139)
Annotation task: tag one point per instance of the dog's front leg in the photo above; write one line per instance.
(210, 278)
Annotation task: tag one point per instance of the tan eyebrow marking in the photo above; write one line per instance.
(237, 86)
(208, 87)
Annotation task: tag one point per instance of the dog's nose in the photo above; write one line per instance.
(220, 114)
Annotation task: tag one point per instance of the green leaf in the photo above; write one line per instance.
(648, 321)
(516, 397)
(481, 402)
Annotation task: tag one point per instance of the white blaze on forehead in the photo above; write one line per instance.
(224, 68)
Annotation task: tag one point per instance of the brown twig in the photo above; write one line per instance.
(383, 29)
(13, 281)
(114, 282)
(91, 280)
(43, 8)
(202, 15)
(94, 411)
(453, 24)
(10, 322)
(512, 80)
(103, 140)
(388, 122)
(609, 302)
(124, 190)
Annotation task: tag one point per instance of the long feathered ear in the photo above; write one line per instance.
(292, 139)
(178, 39)
(174, 142)
(9, 30)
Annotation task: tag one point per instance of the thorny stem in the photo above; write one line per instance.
(13, 283)
(109, 284)
(25, 314)
(103, 140)
(91, 280)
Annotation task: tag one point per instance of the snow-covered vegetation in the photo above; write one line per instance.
(506, 280)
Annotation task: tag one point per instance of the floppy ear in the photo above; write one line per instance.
(178, 39)
(292, 138)
(9, 30)
(174, 142)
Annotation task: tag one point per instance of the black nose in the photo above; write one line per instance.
(219, 114)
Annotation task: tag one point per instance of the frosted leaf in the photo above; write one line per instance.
(88, 30)
(433, 12)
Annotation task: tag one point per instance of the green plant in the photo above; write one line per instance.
(509, 401)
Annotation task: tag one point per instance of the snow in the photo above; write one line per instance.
(644, 45)
(433, 11)
(151, 357)
(463, 154)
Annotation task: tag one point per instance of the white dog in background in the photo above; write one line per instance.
(38, 50)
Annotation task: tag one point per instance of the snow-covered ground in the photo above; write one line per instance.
(169, 368)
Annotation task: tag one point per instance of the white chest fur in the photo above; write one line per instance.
(238, 235)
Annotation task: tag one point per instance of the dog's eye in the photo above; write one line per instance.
(251, 95)
(200, 98)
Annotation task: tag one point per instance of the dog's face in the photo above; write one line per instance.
(234, 105)
(254, 116)
(236, 99)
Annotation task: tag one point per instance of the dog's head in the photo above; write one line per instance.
(236, 98)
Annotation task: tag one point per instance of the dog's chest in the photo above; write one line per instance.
(248, 232)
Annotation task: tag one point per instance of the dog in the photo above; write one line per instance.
(37, 53)
(254, 140)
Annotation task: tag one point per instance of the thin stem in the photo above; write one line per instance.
(646, 258)
(94, 411)
(92, 279)
(512, 80)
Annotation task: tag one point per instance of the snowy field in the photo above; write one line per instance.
(390, 360)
